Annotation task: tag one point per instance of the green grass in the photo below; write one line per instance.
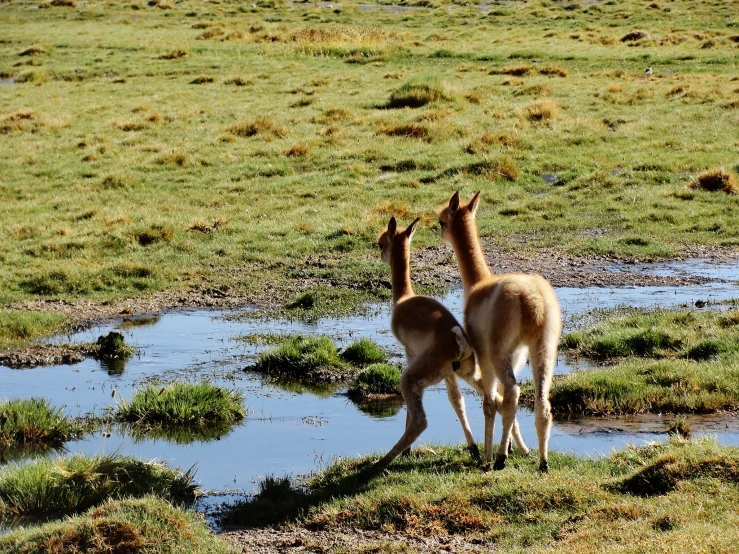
(136, 526)
(110, 194)
(66, 485)
(21, 327)
(306, 358)
(610, 505)
(32, 424)
(364, 352)
(376, 379)
(691, 365)
(183, 404)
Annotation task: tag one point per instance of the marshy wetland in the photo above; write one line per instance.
(208, 180)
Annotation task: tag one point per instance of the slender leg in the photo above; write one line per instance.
(542, 365)
(457, 401)
(511, 393)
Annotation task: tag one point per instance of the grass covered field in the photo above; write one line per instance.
(222, 145)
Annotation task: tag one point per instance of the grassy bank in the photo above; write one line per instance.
(32, 424)
(661, 361)
(67, 485)
(18, 328)
(135, 160)
(663, 497)
(135, 526)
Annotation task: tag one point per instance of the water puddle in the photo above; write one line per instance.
(6, 82)
(293, 431)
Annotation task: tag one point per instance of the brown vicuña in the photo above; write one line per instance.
(506, 317)
(434, 342)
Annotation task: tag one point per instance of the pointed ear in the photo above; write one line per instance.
(474, 203)
(454, 203)
(412, 228)
(392, 227)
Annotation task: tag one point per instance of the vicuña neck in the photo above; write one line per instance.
(401, 277)
(471, 260)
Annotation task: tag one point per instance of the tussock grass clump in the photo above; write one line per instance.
(153, 234)
(352, 42)
(683, 463)
(32, 423)
(238, 81)
(20, 326)
(555, 71)
(21, 120)
(130, 125)
(134, 526)
(540, 110)
(175, 54)
(113, 347)
(306, 358)
(418, 92)
(635, 36)
(63, 3)
(202, 80)
(212, 33)
(521, 70)
(297, 151)
(184, 404)
(410, 130)
(34, 50)
(364, 352)
(716, 180)
(376, 379)
(79, 482)
(258, 126)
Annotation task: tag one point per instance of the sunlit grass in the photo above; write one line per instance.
(78, 482)
(135, 526)
(20, 327)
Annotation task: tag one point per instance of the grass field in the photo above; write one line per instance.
(222, 145)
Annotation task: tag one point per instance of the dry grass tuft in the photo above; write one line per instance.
(129, 125)
(716, 180)
(419, 92)
(173, 158)
(520, 70)
(17, 121)
(212, 33)
(202, 226)
(393, 75)
(202, 80)
(34, 50)
(473, 97)
(258, 126)
(411, 130)
(732, 104)
(533, 90)
(298, 151)
(238, 81)
(174, 54)
(554, 70)
(634, 36)
(63, 3)
(540, 110)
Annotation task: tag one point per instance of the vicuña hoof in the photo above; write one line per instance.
(474, 451)
(544, 467)
(499, 463)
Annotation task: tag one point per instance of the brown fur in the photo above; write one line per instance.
(434, 342)
(506, 317)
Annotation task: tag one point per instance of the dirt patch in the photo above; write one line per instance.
(43, 354)
(268, 541)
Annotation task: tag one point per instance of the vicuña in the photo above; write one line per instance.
(507, 318)
(435, 344)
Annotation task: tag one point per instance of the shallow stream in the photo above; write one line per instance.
(294, 432)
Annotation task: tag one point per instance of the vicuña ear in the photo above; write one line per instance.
(474, 203)
(454, 203)
(412, 228)
(392, 227)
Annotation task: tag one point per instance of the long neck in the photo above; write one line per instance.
(400, 275)
(471, 260)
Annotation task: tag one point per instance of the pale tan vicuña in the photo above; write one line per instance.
(507, 318)
(434, 342)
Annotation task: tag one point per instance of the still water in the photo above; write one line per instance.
(292, 433)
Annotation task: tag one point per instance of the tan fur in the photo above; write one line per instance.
(433, 340)
(507, 317)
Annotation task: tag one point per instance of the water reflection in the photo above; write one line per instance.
(380, 407)
(177, 434)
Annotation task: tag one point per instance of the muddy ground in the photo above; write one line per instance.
(430, 266)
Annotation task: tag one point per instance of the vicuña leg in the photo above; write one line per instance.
(457, 401)
(412, 389)
(507, 407)
(543, 359)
